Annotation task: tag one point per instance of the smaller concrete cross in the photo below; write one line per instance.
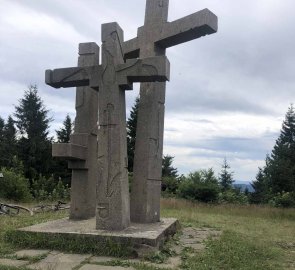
(81, 150)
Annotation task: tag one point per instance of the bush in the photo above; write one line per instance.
(170, 185)
(201, 186)
(284, 199)
(44, 189)
(14, 186)
(233, 196)
(61, 191)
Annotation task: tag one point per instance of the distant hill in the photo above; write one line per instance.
(243, 186)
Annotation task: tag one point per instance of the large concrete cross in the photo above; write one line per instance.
(152, 40)
(111, 78)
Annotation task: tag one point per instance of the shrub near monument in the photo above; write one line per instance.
(14, 186)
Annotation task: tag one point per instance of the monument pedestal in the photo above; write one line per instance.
(136, 236)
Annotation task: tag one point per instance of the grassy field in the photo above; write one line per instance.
(252, 237)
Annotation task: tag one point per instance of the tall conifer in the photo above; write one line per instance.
(9, 143)
(226, 177)
(64, 133)
(2, 152)
(131, 134)
(167, 169)
(281, 167)
(278, 174)
(34, 146)
(61, 170)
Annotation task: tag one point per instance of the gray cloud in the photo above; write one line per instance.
(235, 146)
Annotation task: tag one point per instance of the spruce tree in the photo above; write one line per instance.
(9, 143)
(131, 134)
(170, 182)
(2, 152)
(64, 133)
(261, 188)
(61, 171)
(281, 167)
(34, 146)
(226, 177)
(2, 124)
(167, 169)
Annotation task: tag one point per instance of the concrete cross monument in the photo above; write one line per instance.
(152, 40)
(111, 79)
(97, 153)
(81, 151)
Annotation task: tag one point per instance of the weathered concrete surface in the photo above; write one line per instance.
(100, 259)
(189, 237)
(60, 261)
(111, 79)
(136, 235)
(150, 69)
(30, 253)
(83, 194)
(12, 263)
(152, 40)
(172, 263)
(69, 151)
(74, 76)
(113, 204)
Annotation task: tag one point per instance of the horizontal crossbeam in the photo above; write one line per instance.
(74, 77)
(69, 151)
(152, 69)
(193, 26)
(196, 25)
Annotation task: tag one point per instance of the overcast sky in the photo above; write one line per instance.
(228, 92)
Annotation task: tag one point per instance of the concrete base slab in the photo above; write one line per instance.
(137, 235)
(31, 253)
(100, 259)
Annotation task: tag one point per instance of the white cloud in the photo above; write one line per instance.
(22, 21)
(202, 141)
(190, 127)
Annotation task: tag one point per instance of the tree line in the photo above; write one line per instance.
(274, 183)
(31, 172)
(25, 152)
(202, 185)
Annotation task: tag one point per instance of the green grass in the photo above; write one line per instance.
(8, 224)
(80, 245)
(234, 251)
(252, 237)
